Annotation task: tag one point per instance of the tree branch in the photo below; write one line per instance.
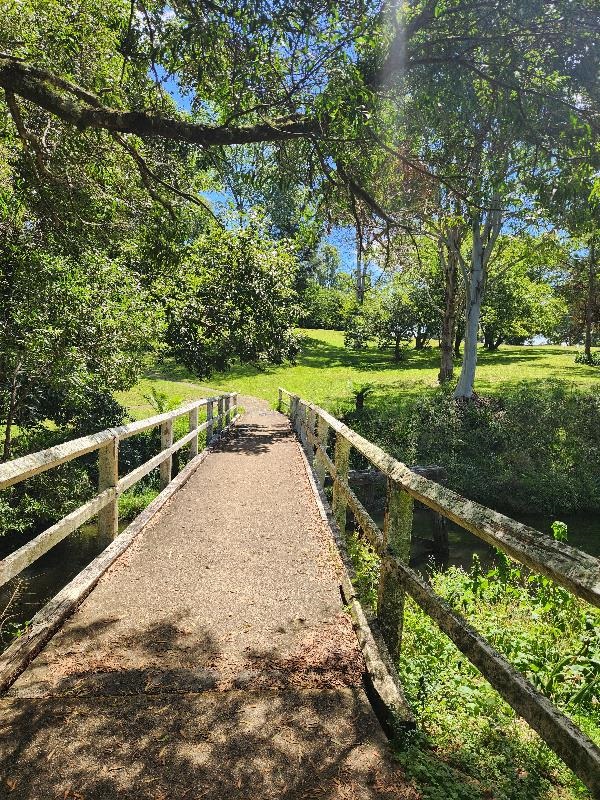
(41, 88)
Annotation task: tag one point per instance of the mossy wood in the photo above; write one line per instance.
(568, 566)
(110, 486)
(573, 569)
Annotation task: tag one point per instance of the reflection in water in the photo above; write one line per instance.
(584, 533)
(48, 575)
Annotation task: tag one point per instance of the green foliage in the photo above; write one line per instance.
(323, 307)
(593, 361)
(559, 531)
(521, 299)
(403, 309)
(535, 447)
(470, 742)
(73, 331)
(232, 299)
(366, 565)
(550, 637)
(134, 501)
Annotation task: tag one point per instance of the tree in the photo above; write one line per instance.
(580, 296)
(520, 300)
(335, 86)
(72, 332)
(281, 74)
(393, 321)
(573, 199)
(231, 299)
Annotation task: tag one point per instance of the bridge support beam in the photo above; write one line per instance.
(321, 468)
(397, 530)
(209, 421)
(220, 414)
(342, 466)
(193, 417)
(311, 421)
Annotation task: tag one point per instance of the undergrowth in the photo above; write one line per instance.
(470, 744)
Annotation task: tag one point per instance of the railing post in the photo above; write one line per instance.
(342, 465)
(322, 437)
(209, 420)
(301, 424)
(194, 427)
(397, 529)
(227, 409)
(108, 477)
(220, 408)
(279, 400)
(166, 440)
(311, 419)
(293, 410)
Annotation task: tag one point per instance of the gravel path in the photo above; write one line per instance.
(213, 660)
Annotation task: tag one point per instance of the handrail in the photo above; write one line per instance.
(19, 469)
(105, 504)
(568, 566)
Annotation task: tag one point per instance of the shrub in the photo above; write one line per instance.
(535, 449)
(592, 361)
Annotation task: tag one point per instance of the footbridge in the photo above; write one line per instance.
(217, 647)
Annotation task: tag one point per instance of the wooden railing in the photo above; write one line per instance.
(571, 568)
(105, 505)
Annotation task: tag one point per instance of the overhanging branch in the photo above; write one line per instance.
(73, 105)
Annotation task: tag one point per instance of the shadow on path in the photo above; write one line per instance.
(146, 734)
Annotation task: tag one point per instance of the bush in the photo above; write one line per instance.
(323, 307)
(536, 449)
(547, 634)
(592, 361)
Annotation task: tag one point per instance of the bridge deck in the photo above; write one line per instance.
(213, 660)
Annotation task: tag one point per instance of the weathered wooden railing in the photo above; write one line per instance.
(571, 568)
(105, 505)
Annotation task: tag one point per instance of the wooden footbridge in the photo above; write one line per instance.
(216, 648)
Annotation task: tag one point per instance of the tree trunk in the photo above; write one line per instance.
(397, 352)
(360, 269)
(484, 239)
(589, 306)
(466, 382)
(458, 337)
(420, 338)
(474, 295)
(450, 270)
(488, 339)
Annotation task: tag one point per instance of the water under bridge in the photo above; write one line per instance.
(217, 648)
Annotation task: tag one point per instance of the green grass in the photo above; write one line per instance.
(325, 370)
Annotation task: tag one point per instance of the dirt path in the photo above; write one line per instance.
(213, 660)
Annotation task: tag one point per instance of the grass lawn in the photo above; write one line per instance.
(325, 371)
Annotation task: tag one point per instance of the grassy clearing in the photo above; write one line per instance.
(325, 371)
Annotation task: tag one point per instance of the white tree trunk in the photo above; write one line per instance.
(475, 284)
(484, 239)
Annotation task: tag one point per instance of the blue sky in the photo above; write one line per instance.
(342, 238)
